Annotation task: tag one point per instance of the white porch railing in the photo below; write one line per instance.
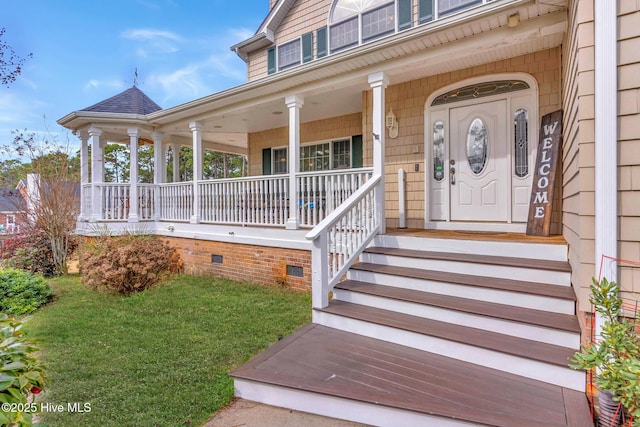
(114, 199)
(146, 201)
(259, 200)
(341, 237)
(116, 203)
(320, 193)
(176, 201)
(256, 200)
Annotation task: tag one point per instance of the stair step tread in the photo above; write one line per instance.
(515, 346)
(331, 362)
(559, 266)
(541, 289)
(564, 322)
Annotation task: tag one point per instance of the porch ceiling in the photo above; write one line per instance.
(333, 86)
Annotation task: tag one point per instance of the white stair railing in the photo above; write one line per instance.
(341, 237)
(320, 193)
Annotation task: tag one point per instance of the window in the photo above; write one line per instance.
(289, 54)
(341, 154)
(477, 146)
(378, 22)
(438, 151)
(321, 156)
(280, 160)
(326, 156)
(314, 157)
(521, 143)
(358, 21)
(344, 35)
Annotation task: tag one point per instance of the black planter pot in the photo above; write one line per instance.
(608, 409)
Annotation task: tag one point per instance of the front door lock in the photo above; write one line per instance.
(452, 174)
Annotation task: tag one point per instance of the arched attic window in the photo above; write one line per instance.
(352, 22)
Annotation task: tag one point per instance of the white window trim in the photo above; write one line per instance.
(273, 159)
(307, 144)
(286, 67)
(331, 141)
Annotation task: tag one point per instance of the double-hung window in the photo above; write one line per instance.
(357, 21)
(289, 54)
(341, 153)
(280, 160)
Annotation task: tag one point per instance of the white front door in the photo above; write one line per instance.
(479, 172)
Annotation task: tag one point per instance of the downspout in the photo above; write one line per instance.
(606, 142)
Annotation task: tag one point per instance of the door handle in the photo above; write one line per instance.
(452, 175)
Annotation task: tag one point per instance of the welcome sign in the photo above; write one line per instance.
(542, 189)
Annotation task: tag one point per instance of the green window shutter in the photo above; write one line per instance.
(321, 36)
(425, 11)
(356, 151)
(271, 60)
(307, 47)
(266, 161)
(405, 18)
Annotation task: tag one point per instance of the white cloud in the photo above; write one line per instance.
(149, 34)
(154, 42)
(99, 84)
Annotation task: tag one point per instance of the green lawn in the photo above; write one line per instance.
(159, 358)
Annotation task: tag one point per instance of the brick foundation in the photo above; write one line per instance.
(257, 264)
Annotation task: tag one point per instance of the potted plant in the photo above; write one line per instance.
(615, 356)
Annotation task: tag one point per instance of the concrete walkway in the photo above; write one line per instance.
(251, 414)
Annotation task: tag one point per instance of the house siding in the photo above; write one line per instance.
(320, 130)
(257, 264)
(304, 16)
(578, 149)
(408, 103)
(629, 145)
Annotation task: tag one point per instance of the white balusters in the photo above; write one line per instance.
(341, 237)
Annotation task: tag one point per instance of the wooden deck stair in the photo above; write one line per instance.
(458, 335)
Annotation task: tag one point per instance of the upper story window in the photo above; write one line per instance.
(289, 54)
(357, 21)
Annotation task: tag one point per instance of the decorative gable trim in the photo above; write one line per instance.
(265, 35)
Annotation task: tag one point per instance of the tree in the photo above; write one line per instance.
(10, 63)
(11, 172)
(116, 163)
(52, 199)
(145, 164)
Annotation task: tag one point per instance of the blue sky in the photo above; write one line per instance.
(87, 51)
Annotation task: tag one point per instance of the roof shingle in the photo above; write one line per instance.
(131, 101)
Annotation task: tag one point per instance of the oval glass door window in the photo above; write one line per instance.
(477, 146)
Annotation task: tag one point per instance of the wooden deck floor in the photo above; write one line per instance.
(332, 362)
(475, 235)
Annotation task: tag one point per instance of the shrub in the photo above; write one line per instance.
(22, 374)
(128, 263)
(22, 292)
(32, 252)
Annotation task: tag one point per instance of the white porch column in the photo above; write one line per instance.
(294, 103)
(175, 148)
(196, 129)
(606, 142)
(134, 133)
(159, 171)
(378, 82)
(97, 176)
(84, 172)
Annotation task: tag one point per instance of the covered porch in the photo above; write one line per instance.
(248, 201)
